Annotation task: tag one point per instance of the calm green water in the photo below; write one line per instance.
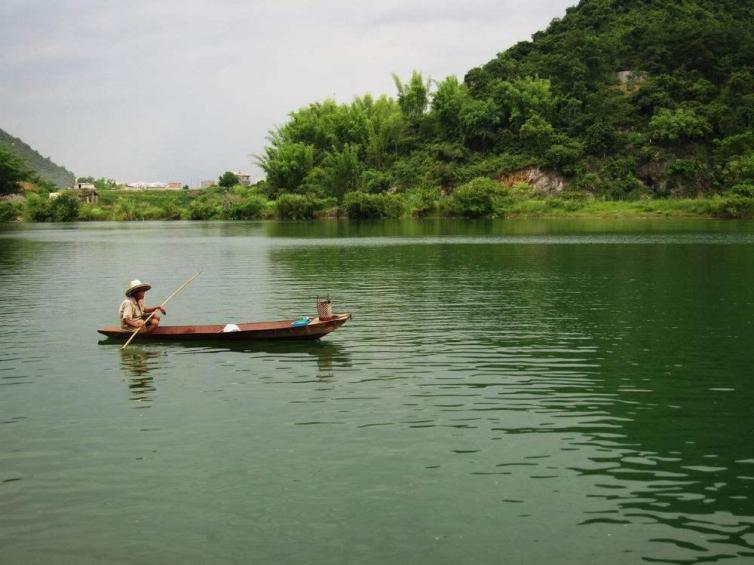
(507, 392)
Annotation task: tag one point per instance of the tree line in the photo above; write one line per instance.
(625, 100)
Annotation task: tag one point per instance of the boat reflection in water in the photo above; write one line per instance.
(329, 356)
(139, 363)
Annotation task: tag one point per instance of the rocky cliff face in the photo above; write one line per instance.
(547, 183)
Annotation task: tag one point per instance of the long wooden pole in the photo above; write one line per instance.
(176, 291)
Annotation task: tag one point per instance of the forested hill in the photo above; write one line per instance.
(622, 98)
(42, 166)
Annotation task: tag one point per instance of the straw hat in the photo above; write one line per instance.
(135, 285)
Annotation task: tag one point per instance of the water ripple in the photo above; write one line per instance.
(491, 385)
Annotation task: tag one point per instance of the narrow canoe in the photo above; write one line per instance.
(252, 331)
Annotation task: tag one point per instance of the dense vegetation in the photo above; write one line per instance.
(216, 203)
(12, 171)
(627, 107)
(679, 124)
(41, 167)
(478, 198)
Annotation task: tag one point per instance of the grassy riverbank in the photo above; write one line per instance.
(713, 207)
(479, 199)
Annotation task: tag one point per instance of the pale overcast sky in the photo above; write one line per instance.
(183, 90)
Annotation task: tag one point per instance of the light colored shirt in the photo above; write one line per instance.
(130, 309)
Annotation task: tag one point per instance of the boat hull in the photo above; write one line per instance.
(253, 331)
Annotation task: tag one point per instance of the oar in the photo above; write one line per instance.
(176, 291)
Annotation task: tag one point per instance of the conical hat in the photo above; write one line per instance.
(136, 284)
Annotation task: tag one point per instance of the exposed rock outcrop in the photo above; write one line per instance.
(544, 182)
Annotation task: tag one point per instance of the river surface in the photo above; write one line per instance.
(506, 392)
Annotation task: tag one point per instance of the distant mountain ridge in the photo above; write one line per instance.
(42, 166)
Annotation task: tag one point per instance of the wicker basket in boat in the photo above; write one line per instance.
(324, 308)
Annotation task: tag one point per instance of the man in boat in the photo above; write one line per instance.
(133, 313)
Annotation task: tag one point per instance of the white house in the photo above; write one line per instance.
(243, 178)
(146, 185)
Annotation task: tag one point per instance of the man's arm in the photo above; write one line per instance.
(150, 309)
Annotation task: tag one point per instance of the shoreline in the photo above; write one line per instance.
(244, 205)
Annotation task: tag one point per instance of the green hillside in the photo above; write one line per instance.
(620, 99)
(42, 166)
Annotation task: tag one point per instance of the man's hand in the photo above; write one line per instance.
(162, 310)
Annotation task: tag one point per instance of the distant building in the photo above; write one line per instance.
(632, 76)
(631, 81)
(146, 185)
(207, 183)
(243, 178)
(83, 185)
(86, 195)
(174, 186)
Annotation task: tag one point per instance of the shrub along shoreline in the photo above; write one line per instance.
(479, 198)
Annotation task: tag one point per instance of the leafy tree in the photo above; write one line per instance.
(37, 208)
(376, 181)
(681, 174)
(385, 132)
(522, 98)
(746, 190)
(287, 164)
(343, 171)
(301, 207)
(250, 208)
(105, 183)
(737, 102)
(12, 171)
(65, 208)
(205, 209)
(480, 120)
(536, 135)
(359, 205)
(734, 146)
(228, 179)
(600, 138)
(678, 125)
(741, 169)
(447, 103)
(413, 96)
(475, 199)
(564, 153)
(9, 211)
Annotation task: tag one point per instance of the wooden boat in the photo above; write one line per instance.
(252, 331)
